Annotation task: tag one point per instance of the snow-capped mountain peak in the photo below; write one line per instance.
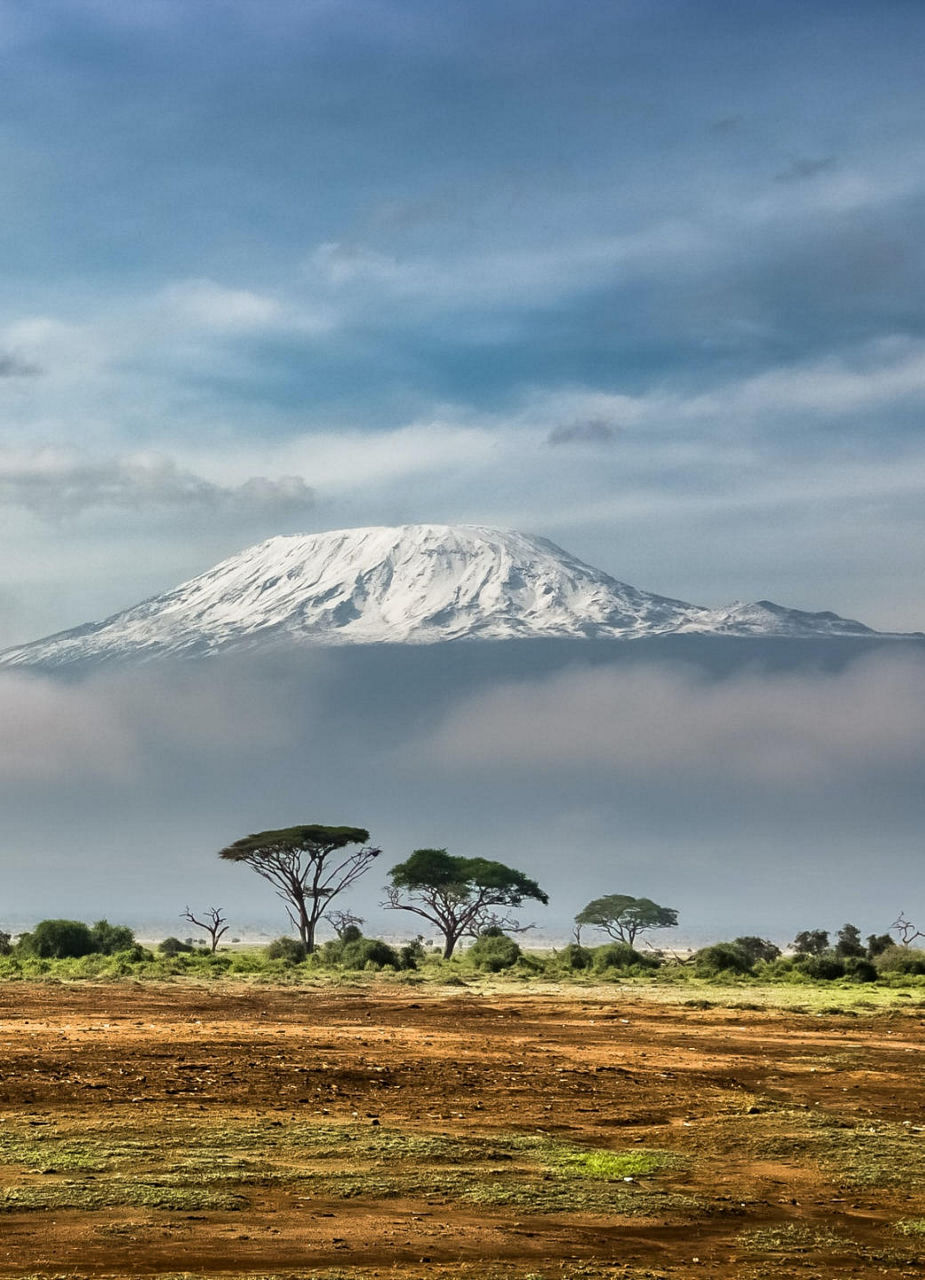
(412, 584)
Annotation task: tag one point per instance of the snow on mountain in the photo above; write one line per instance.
(414, 584)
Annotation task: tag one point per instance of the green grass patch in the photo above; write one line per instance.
(183, 1165)
(794, 1238)
(911, 1227)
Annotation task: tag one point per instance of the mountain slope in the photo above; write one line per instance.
(413, 584)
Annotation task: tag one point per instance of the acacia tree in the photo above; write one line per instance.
(308, 866)
(623, 918)
(459, 895)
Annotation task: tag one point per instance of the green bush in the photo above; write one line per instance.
(860, 969)
(620, 955)
(824, 967)
(6, 944)
(576, 958)
(412, 954)
(757, 948)
(58, 940)
(901, 960)
(111, 938)
(722, 957)
(290, 950)
(494, 951)
(365, 953)
(174, 947)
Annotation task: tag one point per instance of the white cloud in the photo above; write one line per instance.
(203, 303)
(60, 483)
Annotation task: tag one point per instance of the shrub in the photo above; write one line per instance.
(58, 940)
(6, 944)
(757, 948)
(350, 933)
(826, 966)
(291, 950)
(411, 954)
(366, 953)
(722, 957)
(494, 951)
(576, 957)
(860, 969)
(620, 955)
(110, 938)
(901, 960)
(174, 947)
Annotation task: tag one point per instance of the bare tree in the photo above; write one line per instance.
(214, 925)
(906, 930)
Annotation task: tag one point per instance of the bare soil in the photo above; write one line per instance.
(387, 1131)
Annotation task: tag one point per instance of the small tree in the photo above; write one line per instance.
(624, 918)
(213, 923)
(877, 943)
(459, 895)
(308, 866)
(848, 942)
(757, 948)
(811, 942)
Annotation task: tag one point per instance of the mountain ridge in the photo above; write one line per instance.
(407, 584)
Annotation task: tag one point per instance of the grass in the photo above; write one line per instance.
(911, 1227)
(793, 1237)
(189, 1166)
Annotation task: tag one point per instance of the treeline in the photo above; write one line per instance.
(310, 867)
(71, 949)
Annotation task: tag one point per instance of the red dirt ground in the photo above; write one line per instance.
(755, 1103)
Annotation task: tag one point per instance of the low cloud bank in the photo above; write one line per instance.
(788, 729)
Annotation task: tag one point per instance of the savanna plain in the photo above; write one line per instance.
(346, 1129)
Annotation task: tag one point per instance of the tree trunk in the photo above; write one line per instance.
(450, 946)
(306, 932)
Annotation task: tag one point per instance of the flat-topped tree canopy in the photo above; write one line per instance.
(459, 895)
(307, 837)
(308, 865)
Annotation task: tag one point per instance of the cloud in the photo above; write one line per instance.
(11, 366)
(58, 733)
(802, 170)
(116, 728)
(57, 484)
(672, 723)
(213, 306)
(593, 431)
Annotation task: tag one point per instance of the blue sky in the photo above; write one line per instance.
(642, 278)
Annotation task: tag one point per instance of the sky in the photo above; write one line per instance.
(644, 279)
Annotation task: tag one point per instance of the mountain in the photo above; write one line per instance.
(414, 584)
